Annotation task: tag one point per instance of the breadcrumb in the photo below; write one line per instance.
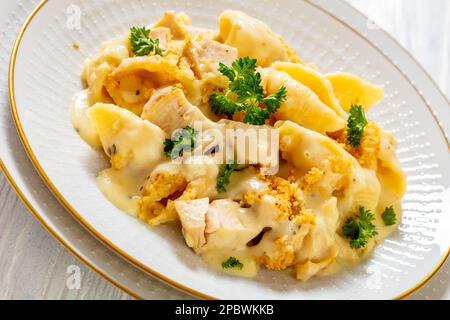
(158, 190)
(311, 177)
(288, 199)
(340, 165)
(284, 255)
(367, 152)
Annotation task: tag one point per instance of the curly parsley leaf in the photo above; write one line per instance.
(232, 263)
(227, 71)
(221, 104)
(247, 82)
(248, 94)
(274, 101)
(389, 216)
(142, 44)
(224, 176)
(355, 125)
(183, 140)
(256, 115)
(360, 229)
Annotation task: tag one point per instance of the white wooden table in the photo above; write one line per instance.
(33, 265)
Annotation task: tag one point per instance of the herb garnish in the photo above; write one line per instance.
(245, 93)
(232, 263)
(142, 44)
(356, 123)
(389, 217)
(224, 176)
(183, 140)
(360, 229)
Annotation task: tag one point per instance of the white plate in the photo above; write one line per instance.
(46, 74)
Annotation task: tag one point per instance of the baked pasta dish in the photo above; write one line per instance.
(256, 156)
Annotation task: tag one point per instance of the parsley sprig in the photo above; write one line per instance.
(245, 93)
(183, 140)
(355, 125)
(232, 263)
(224, 176)
(389, 216)
(360, 229)
(142, 44)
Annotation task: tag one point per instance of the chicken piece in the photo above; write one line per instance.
(217, 219)
(226, 226)
(199, 34)
(163, 35)
(171, 111)
(192, 215)
(206, 56)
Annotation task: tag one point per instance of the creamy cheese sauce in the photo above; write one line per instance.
(80, 121)
(120, 189)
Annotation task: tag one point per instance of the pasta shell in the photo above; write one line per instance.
(350, 89)
(302, 105)
(253, 39)
(313, 80)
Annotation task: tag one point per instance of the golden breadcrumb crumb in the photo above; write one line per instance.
(288, 199)
(283, 258)
(163, 185)
(340, 165)
(156, 207)
(306, 216)
(288, 195)
(370, 146)
(311, 177)
(367, 152)
(250, 198)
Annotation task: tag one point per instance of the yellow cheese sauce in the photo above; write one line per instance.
(120, 189)
(80, 121)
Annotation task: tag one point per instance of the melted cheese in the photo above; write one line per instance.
(80, 121)
(121, 189)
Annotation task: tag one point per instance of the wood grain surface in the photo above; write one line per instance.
(34, 266)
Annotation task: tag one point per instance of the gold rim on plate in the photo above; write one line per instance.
(108, 243)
